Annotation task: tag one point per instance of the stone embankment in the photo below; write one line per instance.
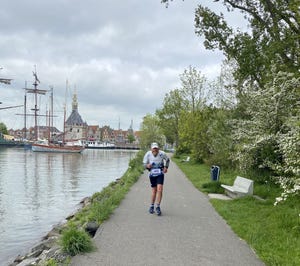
(49, 248)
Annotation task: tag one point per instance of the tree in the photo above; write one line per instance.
(169, 116)
(193, 89)
(193, 133)
(289, 145)
(3, 128)
(272, 37)
(190, 98)
(260, 139)
(219, 137)
(223, 90)
(192, 95)
(130, 138)
(151, 132)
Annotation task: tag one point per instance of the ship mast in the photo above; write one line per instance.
(35, 91)
(25, 114)
(65, 113)
(50, 118)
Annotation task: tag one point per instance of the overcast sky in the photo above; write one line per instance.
(121, 57)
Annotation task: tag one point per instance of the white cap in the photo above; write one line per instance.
(154, 145)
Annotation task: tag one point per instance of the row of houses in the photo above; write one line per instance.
(89, 133)
(77, 129)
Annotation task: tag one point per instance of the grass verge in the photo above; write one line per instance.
(272, 231)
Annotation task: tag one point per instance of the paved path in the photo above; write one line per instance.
(189, 232)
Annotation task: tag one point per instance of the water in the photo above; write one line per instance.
(38, 190)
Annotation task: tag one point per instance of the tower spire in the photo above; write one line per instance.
(75, 102)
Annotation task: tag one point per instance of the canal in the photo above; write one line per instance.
(39, 190)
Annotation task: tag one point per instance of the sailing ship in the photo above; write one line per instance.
(49, 145)
(63, 148)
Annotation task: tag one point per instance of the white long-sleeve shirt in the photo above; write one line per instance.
(159, 161)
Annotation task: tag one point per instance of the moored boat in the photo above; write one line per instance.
(9, 141)
(99, 145)
(36, 147)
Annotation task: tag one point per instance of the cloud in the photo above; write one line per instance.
(120, 57)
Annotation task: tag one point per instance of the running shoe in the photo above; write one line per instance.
(151, 209)
(158, 211)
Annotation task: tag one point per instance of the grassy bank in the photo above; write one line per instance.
(272, 231)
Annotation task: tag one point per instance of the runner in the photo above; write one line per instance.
(157, 163)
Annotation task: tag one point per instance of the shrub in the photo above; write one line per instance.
(75, 241)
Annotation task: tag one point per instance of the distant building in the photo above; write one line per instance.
(43, 133)
(18, 134)
(107, 134)
(119, 136)
(137, 137)
(75, 127)
(93, 133)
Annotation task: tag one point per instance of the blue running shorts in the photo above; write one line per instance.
(154, 180)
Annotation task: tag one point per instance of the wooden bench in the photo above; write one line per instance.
(241, 187)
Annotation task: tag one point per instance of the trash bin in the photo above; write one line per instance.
(215, 173)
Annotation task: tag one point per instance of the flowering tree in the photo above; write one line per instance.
(289, 144)
(269, 135)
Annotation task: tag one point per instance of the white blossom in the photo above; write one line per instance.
(270, 136)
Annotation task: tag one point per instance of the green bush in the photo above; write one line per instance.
(75, 241)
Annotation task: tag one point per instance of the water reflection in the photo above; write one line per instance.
(38, 190)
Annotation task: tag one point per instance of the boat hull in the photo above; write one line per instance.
(61, 149)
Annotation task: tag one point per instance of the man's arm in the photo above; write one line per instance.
(167, 161)
(146, 161)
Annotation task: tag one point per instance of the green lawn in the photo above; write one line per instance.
(272, 231)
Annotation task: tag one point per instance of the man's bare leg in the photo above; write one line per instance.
(159, 194)
(153, 195)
